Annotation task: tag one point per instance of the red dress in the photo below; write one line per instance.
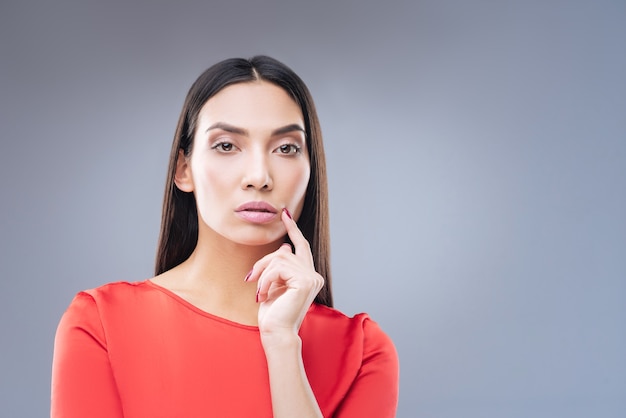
(137, 350)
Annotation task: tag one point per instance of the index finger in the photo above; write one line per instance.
(300, 244)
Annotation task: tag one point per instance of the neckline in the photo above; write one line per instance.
(199, 311)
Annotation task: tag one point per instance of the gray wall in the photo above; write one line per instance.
(477, 159)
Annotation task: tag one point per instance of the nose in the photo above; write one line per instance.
(257, 173)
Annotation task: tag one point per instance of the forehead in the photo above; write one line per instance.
(251, 105)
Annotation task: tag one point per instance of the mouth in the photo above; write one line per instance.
(261, 207)
(257, 212)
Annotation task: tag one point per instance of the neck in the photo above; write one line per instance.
(215, 272)
(221, 261)
(212, 278)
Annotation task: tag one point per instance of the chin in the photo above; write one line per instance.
(256, 239)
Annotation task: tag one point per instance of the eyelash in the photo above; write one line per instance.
(292, 148)
(219, 146)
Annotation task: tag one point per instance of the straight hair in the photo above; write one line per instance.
(179, 221)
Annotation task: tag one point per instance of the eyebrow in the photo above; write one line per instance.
(240, 131)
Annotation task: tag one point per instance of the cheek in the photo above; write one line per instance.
(299, 184)
(210, 179)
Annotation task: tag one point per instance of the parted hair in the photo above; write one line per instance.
(179, 222)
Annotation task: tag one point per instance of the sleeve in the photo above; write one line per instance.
(82, 378)
(374, 393)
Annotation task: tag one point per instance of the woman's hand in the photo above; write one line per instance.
(287, 284)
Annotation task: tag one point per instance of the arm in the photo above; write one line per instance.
(82, 379)
(291, 392)
(287, 285)
(374, 392)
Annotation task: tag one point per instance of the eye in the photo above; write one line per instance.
(223, 147)
(288, 149)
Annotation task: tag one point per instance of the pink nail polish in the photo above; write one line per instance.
(257, 296)
(247, 276)
(287, 212)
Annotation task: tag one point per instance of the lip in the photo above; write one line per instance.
(257, 212)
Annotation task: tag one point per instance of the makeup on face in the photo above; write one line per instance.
(249, 161)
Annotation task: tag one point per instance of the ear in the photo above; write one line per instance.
(182, 176)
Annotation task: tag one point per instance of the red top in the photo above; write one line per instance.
(139, 350)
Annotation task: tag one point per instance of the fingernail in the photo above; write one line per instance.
(287, 212)
(247, 276)
(257, 295)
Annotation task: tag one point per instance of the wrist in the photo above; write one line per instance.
(280, 342)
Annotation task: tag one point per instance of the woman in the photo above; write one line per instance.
(238, 321)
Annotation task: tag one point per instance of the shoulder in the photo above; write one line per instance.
(115, 290)
(119, 295)
(360, 332)
(354, 348)
(320, 316)
(89, 306)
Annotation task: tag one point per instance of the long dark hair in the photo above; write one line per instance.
(179, 222)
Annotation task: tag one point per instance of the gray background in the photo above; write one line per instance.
(477, 161)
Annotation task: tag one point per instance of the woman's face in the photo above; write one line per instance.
(249, 161)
